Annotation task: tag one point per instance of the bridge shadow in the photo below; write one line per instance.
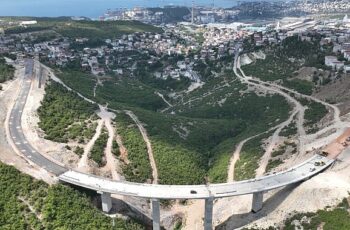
(269, 205)
(128, 209)
(118, 206)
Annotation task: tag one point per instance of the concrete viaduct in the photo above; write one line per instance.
(155, 192)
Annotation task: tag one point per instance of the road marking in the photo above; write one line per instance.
(18, 143)
(33, 151)
(25, 142)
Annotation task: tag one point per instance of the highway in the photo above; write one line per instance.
(155, 192)
(296, 174)
(15, 127)
(265, 183)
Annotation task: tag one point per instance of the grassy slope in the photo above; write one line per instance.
(98, 150)
(254, 114)
(6, 71)
(279, 65)
(61, 207)
(283, 60)
(139, 169)
(249, 158)
(87, 29)
(337, 218)
(211, 128)
(59, 110)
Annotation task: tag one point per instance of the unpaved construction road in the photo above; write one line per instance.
(148, 144)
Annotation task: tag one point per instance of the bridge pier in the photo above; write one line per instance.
(106, 201)
(257, 201)
(156, 214)
(208, 214)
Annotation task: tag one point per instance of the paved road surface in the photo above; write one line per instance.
(293, 175)
(15, 126)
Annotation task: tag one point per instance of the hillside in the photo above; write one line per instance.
(81, 29)
(6, 71)
(26, 203)
(191, 140)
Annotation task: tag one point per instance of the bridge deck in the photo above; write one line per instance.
(298, 173)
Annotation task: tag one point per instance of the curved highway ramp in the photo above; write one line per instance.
(155, 192)
(296, 174)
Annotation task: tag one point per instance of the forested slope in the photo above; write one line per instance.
(26, 203)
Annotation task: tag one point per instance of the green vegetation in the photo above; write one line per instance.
(130, 92)
(223, 152)
(254, 114)
(282, 149)
(97, 152)
(176, 164)
(181, 144)
(81, 131)
(196, 141)
(289, 130)
(337, 218)
(115, 148)
(63, 114)
(178, 160)
(301, 86)
(283, 61)
(172, 14)
(313, 114)
(94, 30)
(101, 30)
(249, 158)
(82, 82)
(273, 164)
(138, 169)
(58, 206)
(6, 71)
(279, 151)
(271, 68)
(79, 151)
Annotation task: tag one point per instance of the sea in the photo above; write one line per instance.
(92, 8)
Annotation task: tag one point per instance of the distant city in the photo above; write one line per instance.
(242, 11)
(92, 8)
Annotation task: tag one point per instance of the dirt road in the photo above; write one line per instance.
(148, 143)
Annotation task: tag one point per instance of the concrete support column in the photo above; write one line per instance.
(106, 201)
(257, 201)
(156, 214)
(208, 215)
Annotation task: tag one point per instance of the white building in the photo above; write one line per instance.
(332, 61)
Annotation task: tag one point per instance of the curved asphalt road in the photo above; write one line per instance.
(15, 127)
(296, 174)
